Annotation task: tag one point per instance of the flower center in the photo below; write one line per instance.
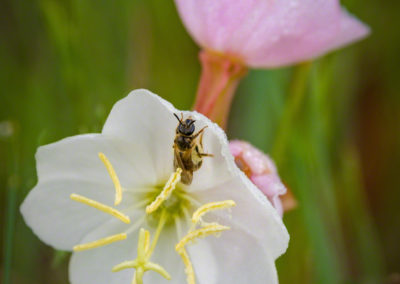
(177, 205)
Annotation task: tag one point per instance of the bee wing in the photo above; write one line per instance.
(187, 175)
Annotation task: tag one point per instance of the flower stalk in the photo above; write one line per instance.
(219, 79)
(296, 97)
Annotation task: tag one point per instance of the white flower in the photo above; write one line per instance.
(135, 148)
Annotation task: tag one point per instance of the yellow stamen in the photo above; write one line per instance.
(200, 233)
(101, 207)
(166, 192)
(211, 207)
(101, 242)
(206, 230)
(188, 266)
(114, 178)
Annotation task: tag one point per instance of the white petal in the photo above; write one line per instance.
(253, 213)
(72, 166)
(77, 158)
(146, 119)
(235, 257)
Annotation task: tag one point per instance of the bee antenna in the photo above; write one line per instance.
(180, 121)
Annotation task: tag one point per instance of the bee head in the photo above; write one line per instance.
(185, 127)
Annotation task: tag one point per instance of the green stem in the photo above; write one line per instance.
(12, 188)
(364, 238)
(296, 97)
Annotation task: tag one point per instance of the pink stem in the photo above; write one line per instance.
(219, 79)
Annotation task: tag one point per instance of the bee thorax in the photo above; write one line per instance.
(183, 143)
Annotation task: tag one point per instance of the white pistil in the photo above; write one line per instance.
(101, 242)
(101, 207)
(114, 178)
(160, 226)
(142, 264)
(166, 192)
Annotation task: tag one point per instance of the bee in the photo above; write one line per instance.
(188, 148)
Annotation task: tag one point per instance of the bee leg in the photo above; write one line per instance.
(206, 155)
(200, 131)
(201, 139)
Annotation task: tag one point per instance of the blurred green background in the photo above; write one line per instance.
(63, 64)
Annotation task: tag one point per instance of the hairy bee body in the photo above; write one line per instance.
(188, 149)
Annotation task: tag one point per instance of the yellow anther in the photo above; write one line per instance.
(196, 217)
(166, 192)
(114, 178)
(188, 266)
(101, 207)
(101, 242)
(200, 233)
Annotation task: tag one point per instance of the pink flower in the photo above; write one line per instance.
(270, 33)
(261, 170)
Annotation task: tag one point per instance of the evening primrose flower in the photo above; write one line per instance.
(241, 34)
(115, 200)
(270, 33)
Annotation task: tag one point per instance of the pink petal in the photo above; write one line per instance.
(269, 184)
(270, 33)
(259, 162)
(272, 187)
(351, 29)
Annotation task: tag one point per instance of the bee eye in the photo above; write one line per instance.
(191, 129)
(186, 129)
